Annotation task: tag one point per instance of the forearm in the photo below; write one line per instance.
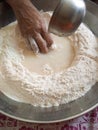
(15, 2)
(18, 3)
(31, 23)
(21, 5)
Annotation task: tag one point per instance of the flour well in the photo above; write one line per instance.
(57, 59)
(64, 74)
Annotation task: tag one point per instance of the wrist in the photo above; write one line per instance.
(18, 3)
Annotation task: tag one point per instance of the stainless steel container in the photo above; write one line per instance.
(67, 17)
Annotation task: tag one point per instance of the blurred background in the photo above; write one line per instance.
(5, 10)
(96, 1)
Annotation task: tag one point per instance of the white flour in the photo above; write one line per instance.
(55, 88)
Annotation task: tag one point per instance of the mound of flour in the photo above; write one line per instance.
(55, 88)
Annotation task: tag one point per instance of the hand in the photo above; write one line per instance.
(32, 24)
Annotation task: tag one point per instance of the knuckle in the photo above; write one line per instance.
(38, 27)
(36, 37)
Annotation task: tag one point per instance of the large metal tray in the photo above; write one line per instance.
(29, 113)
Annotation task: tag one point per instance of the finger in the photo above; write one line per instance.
(47, 37)
(27, 44)
(33, 45)
(41, 43)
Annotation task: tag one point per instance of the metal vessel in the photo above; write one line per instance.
(67, 17)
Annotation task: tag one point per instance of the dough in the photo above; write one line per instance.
(66, 73)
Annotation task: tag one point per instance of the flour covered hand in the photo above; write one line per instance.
(32, 25)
